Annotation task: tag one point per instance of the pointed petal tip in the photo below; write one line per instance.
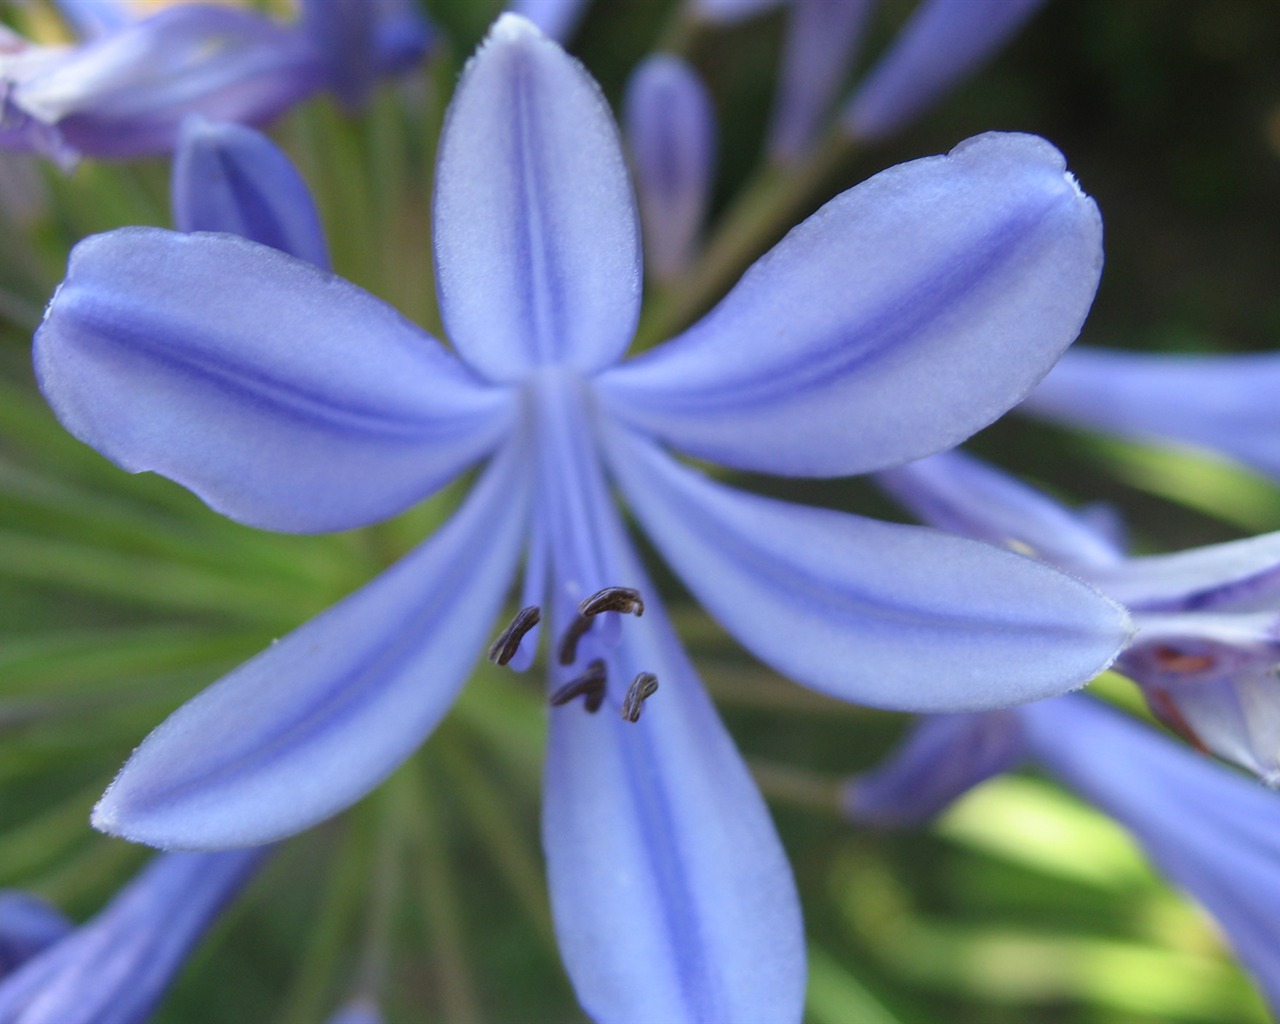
(513, 29)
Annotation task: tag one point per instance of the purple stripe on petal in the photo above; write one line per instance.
(262, 383)
(945, 41)
(537, 244)
(903, 316)
(1223, 404)
(894, 616)
(673, 898)
(230, 178)
(321, 717)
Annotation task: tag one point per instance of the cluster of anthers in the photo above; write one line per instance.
(590, 685)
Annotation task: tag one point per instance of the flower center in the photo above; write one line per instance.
(592, 683)
(577, 544)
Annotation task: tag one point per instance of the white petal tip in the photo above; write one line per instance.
(513, 28)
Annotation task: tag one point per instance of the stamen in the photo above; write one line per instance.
(624, 600)
(642, 687)
(613, 599)
(504, 648)
(589, 685)
(568, 652)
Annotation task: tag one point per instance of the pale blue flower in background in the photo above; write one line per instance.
(124, 91)
(906, 314)
(1222, 405)
(1207, 647)
(943, 42)
(115, 968)
(1212, 832)
(27, 925)
(670, 132)
(232, 179)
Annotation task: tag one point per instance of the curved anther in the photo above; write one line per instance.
(504, 647)
(613, 599)
(589, 686)
(642, 687)
(624, 600)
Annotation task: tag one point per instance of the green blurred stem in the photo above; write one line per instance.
(318, 965)
(439, 903)
(765, 208)
(796, 787)
(499, 825)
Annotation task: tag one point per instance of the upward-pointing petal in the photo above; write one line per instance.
(903, 316)
(894, 616)
(257, 380)
(321, 717)
(536, 238)
(233, 179)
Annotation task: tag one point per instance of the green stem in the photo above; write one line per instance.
(799, 788)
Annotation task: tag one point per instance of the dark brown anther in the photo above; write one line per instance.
(613, 599)
(504, 648)
(589, 686)
(568, 652)
(623, 600)
(642, 687)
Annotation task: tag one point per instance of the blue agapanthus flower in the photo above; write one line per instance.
(115, 968)
(1221, 404)
(1207, 647)
(1210, 831)
(904, 315)
(943, 42)
(124, 91)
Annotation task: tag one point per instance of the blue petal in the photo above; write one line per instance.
(1210, 831)
(1224, 404)
(894, 616)
(233, 179)
(28, 925)
(671, 135)
(822, 38)
(321, 717)
(126, 93)
(943, 758)
(904, 315)
(115, 969)
(963, 495)
(537, 245)
(359, 40)
(945, 41)
(1240, 575)
(258, 381)
(673, 898)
